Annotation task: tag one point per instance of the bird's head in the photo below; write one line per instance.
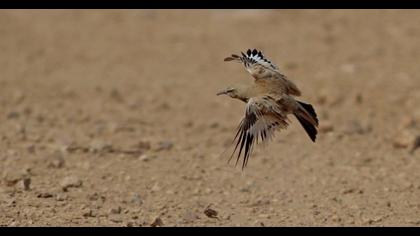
(230, 91)
(234, 92)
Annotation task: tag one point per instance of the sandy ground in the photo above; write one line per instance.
(110, 118)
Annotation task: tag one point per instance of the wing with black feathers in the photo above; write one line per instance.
(252, 58)
(263, 70)
(263, 117)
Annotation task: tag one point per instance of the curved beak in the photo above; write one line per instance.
(221, 92)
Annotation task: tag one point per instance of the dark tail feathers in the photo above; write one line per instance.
(309, 108)
(309, 127)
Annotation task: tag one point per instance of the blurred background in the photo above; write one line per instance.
(110, 118)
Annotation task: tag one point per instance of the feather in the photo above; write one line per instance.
(257, 57)
(262, 118)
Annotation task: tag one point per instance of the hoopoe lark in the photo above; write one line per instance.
(269, 100)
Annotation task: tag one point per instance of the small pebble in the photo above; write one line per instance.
(157, 222)
(26, 183)
(130, 224)
(144, 157)
(115, 219)
(88, 213)
(56, 160)
(99, 146)
(155, 188)
(115, 210)
(404, 139)
(210, 212)
(266, 216)
(136, 199)
(164, 145)
(416, 144)
(45, 195)
(60, 197)
(70, 182)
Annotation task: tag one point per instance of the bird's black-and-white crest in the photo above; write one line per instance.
(256, 57)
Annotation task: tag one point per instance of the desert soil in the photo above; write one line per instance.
(110, 118)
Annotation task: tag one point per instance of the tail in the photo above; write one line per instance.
(308, 119)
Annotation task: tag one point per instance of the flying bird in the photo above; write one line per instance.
(269, 101)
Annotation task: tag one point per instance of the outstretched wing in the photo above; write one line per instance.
(263, 69)
(263, 117)
(253, 59)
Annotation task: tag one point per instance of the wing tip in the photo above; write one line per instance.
(233, 57)
(257, 55)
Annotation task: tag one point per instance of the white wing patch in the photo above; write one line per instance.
(257, 65)
(256, 57)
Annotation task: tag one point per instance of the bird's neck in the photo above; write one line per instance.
(244, 99)
(247, 92)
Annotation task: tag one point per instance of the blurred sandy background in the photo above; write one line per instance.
(110, 118)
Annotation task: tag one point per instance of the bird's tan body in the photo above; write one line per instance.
(276, 87)
(270, 99)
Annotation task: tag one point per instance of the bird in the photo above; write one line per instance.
(269, 100)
